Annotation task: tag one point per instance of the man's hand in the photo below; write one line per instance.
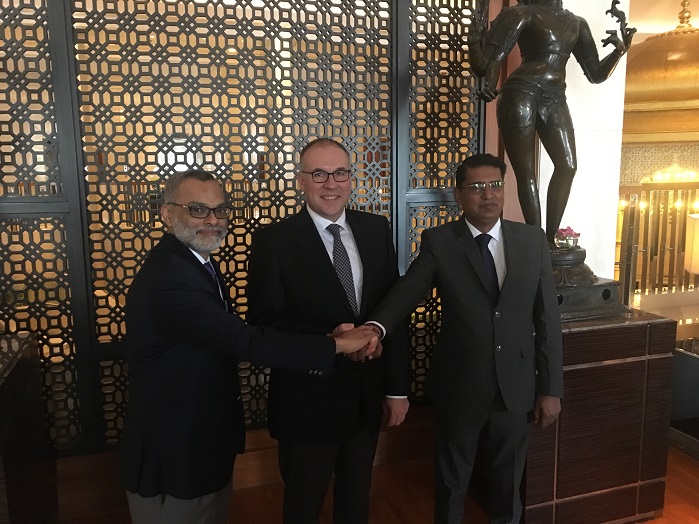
(362, 354)
(394, 410)
(352, 340)
(546, 410)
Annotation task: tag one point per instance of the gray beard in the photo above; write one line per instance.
(188, 236)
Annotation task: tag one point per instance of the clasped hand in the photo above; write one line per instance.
(371, 349)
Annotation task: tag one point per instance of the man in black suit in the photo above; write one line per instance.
(499, 356)
(304, 278)
(184, 421)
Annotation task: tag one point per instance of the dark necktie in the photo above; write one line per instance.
(210, 268)
(491, 275)
(212, 272)
(342, 265)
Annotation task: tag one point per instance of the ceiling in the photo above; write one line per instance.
(657, 16)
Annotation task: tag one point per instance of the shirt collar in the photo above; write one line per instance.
(321, 223)
(495, 231)
(199, 257)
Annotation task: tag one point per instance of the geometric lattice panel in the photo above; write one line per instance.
(28, 147)
(114, 385)
(642, 160)
(443, 101)
(235, 88)
(425, 322)
(35, 298)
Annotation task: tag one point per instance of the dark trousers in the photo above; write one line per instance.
(503, 440)
(307, 468)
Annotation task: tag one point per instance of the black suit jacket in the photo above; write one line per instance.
(517, 346)
(293, 285)
(184, 420)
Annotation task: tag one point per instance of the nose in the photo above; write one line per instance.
(211, 220)
(487, 192)
(330, 182)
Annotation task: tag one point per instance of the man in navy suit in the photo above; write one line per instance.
(498, 360)
(184, 421)
(325, 266)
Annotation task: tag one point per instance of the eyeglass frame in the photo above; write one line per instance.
(328, 175)
(477, 188)
(189, 207)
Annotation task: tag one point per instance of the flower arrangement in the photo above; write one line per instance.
(567, 238)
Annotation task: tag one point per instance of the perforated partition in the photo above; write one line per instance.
(147, 88)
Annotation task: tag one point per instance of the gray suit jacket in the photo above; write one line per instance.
(516, 346)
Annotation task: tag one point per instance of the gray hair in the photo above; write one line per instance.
(172, 184)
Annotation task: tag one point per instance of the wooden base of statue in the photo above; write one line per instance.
(605, 459)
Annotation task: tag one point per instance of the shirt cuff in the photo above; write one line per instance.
(383, 329)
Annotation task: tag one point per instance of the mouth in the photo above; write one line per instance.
(330, 197)
(212, 232)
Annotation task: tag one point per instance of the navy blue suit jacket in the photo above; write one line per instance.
(184, 420)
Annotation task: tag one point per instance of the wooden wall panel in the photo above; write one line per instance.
(585, 346)
(598, 508)
(541, 465)
(657, 418)
(539, 514)
(662, 337)
(651, 496)
(600, 428)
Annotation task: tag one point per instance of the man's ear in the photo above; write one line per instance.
(165, 211)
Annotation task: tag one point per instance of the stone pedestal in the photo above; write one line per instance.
(580, 293)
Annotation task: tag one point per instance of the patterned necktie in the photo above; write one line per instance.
(491, 275)
(342, 265)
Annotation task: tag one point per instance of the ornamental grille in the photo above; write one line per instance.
(235, 87)
(28, 147)
(36, 298)
(443, 100)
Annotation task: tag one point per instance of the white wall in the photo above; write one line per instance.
(597, 112)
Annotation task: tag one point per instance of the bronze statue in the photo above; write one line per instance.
(532, 100)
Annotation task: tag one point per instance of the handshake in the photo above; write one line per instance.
(357, 343)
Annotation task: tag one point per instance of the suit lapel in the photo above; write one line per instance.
(173, 243)
(309, 242)
(363, 238)
(514, 246)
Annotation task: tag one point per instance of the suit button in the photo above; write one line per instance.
(320, 373)
(497, 314)
(498, 348)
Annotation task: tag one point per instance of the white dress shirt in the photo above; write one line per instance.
(350, 245)
(496, 247)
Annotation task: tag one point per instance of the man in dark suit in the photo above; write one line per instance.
(499, 355)
(298, 281)
(184, 421)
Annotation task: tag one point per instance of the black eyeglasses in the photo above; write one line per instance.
(479, 187)
(320, 176)
(200, 211)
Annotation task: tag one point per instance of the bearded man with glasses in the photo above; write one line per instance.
(498, 361)
(324, 266)
(184, 421)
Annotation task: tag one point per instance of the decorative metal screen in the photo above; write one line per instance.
(28, 147)
(234, 87)
(36, 298)
(443, 108)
